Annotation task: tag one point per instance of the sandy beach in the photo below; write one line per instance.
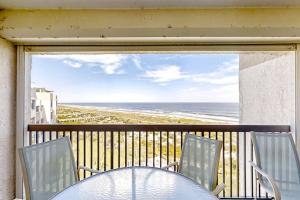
(69, 114)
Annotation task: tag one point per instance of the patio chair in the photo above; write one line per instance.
(277, 164)
(200, 161)
(48, 168)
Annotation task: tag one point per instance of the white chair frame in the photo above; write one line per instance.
(25, 167)
(275, 192)
(216, 188)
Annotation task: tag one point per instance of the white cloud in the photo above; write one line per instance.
(137, 61)
(165, 74)
(230, 66)
(192, 89)
(109, 63)
(72, 63)
(226, 74)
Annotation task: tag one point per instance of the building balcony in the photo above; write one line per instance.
(106, 147)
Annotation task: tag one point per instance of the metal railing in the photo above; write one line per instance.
(105, 147)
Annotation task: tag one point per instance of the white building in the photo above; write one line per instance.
(43, 106)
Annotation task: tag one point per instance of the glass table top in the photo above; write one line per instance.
(136, 183)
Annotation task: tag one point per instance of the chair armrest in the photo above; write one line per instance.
(93, 171)
(274, 186)
(176, 164)
(218, 189)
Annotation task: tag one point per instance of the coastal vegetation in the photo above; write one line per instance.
(143, 148)
(86, 115)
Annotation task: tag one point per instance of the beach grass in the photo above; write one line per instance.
(98, 147)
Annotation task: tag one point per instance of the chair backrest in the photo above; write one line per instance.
(47, 168)
(276, 155)
(200, 160)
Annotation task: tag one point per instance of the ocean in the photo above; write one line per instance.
(214, 111)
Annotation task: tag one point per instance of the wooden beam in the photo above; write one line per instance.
(202, 25)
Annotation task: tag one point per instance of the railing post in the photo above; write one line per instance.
(112, 149)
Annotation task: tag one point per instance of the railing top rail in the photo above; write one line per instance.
(158, 127)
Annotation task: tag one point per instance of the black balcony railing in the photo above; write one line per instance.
(105, 147)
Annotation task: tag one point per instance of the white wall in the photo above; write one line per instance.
(7, 119)
(267, 88)
(267, 95)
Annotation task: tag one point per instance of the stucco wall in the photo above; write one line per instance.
(267, 95)
(7, 119)
(267, 88)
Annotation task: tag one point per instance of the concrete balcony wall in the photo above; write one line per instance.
(267, 94)
(267, 88)
(7, 119)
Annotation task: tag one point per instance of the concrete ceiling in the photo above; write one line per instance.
(98, 4)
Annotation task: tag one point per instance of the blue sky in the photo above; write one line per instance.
(138, 77)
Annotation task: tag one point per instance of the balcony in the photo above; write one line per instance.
(106, 147)
(269, 85)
